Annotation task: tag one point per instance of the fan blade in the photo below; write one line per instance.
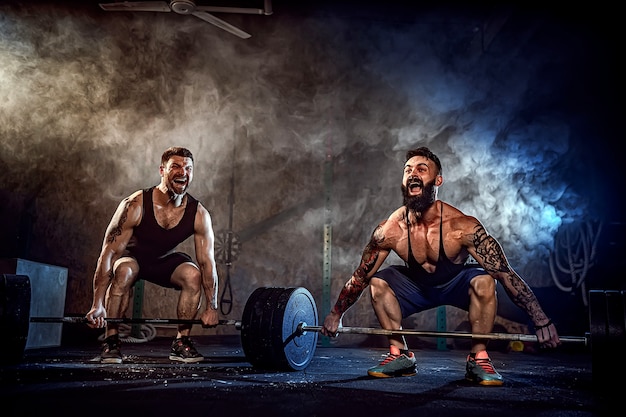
(219, 9)
(266, 10)
(136, 6)
(221, 24)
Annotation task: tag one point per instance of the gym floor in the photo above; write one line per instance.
(69, 381)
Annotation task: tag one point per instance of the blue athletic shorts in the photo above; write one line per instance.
(414, 298)
(159, 271)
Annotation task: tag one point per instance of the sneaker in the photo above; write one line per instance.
(183, 350)
(111, 352)
(481, 370)
(394, 364)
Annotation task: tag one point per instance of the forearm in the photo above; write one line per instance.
(523, 296)
(210, 283)
(101, 281)
(490, 255)
(350, 294)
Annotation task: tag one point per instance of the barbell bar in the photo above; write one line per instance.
(134, 320)
(279, 326)
(302, 327)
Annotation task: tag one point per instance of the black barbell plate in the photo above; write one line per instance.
(269, 328)
(15, 298)
(615, 318)
(614, 364)
(254, 341)
(597, 332)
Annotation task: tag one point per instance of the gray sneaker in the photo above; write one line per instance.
(395, 364)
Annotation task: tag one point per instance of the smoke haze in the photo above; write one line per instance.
(90, 99)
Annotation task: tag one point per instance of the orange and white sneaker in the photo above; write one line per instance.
(481, 370)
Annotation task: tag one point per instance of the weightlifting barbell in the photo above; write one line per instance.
(304, 327)
(279, 327)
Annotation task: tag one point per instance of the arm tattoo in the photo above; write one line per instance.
(490, 251)
(117, 230)
(494, 260)
(353, 289)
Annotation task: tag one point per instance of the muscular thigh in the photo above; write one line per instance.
(410, 296)
(125, 272)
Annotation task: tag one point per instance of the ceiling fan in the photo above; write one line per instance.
(189, 7)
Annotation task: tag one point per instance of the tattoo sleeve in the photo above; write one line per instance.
(495, 263)
(359, 280)
(490, 252)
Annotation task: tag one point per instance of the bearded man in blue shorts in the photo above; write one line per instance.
(435, 240)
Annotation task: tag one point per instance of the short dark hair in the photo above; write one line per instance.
(426, 153)
(175, 151)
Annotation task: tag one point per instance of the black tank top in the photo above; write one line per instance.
(445, 269)
(150, 240)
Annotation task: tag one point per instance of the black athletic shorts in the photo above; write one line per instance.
(159, 271)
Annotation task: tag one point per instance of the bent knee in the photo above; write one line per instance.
(379, 288)
(187, 275)
(125, 275)
(483, 286)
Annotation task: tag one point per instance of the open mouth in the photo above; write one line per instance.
(415, 185)
(181, 181)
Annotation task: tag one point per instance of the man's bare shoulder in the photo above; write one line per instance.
(397, 215)
(459, 220)
(203, 222)
(136, 196)
(131, 208)
(134, 201)
(202, 214)
(390, 230)
(396, 218)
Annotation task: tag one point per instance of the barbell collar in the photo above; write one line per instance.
(303, 327)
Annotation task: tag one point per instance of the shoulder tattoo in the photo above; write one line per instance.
(116, 231)
(370, 254)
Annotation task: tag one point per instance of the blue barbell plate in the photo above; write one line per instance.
(299, 347)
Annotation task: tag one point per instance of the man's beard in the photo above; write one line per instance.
(421, 202)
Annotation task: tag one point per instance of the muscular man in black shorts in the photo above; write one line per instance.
(139, 243)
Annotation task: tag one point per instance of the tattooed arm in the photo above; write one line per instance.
(372, 258)
(489, 254)
(117, 236)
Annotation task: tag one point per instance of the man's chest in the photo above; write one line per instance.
(168, 217)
